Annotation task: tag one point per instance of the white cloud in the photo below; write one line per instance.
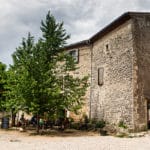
(81, 18)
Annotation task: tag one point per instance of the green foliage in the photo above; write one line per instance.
(87, 124)
(71, 120)
(54, 35)
(100, 124)
(122, 135)
(86, 119)
(3, 78)
(41, 78)
(75, 125)
(14, 101)
(93, 121)
(122, 124)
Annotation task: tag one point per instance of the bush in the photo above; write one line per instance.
(88, 124)
(122, 124)
(100, 124)
(71, 120)
(86, 119)
(75, 126)
(93, 121)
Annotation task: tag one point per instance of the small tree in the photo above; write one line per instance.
(14, 101)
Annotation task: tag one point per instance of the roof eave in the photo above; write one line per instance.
(117, 22)
(78, 44)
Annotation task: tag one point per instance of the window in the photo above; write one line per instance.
(74, 54)
(107, 48)
(100, 76)
(107, 51)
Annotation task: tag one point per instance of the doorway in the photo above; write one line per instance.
(148, 113)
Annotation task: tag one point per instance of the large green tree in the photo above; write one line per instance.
(44, 72)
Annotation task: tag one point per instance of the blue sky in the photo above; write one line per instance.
(82, 18)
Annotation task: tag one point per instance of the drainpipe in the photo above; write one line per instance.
(91, 49)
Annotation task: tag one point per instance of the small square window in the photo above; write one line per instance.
(107, 48)
(74, 54)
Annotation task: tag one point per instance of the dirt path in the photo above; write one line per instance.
(14, 140)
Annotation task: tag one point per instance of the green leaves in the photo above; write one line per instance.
(54, 35)
(2, 85)
(41, 78)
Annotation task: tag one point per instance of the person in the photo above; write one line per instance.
(22, 119)
(41, 123)
(33, 120)
(22, 122)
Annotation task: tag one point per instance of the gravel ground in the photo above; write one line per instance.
(20, 141)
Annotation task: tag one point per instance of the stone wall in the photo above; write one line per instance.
(141, 32)
(84, 70)
(113, 100)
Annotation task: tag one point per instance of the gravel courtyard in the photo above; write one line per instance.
(13, 140)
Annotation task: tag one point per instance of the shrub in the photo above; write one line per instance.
(71, 120)
(122, 124)
(93, 121)
(100, 124)
(86, 119)
(75, 125)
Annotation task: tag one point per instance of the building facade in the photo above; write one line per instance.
(117, 58)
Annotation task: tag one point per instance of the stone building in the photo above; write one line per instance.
(117, 58)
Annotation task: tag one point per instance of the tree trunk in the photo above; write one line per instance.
(38, 128)
(13, 119)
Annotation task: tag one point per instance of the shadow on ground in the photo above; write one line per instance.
(65, 133)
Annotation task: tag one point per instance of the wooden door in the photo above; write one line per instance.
(148, 113)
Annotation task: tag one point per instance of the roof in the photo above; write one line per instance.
(75, 45)
(117, 22)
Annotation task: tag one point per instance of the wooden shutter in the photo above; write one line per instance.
(101, 76)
